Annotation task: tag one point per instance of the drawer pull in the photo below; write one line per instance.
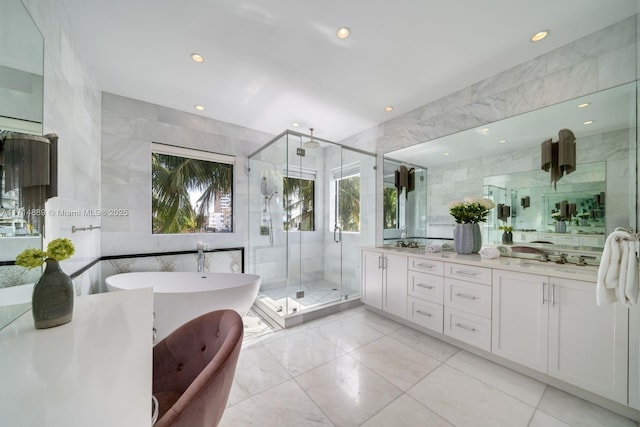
(424, 314)
(420, 285)
(467, 296)
(424, 265)
(467, 273)
(459, 325)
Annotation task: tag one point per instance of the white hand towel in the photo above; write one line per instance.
(622, 276)
(609, 269)
(632, 288)
(432, 248)
(489, 252)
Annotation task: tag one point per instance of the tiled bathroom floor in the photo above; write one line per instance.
(356, 368)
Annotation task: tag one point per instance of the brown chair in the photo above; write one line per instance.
(193, 369)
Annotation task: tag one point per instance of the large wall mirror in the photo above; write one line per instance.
(21, 107)
(503, 161)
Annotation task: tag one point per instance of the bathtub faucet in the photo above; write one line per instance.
(200, 257)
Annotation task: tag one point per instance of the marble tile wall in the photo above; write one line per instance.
(72, 111)
(128, 129)
(598, 61)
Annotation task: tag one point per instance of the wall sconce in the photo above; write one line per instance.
(404, 178)
(30, 164)
(525, 202)
(503, 212)
(559, 157)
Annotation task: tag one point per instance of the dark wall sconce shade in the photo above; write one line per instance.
(525, 202)
(559, 158)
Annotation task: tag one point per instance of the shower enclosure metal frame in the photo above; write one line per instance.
(304, 270)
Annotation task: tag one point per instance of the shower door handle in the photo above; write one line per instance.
(337, 231)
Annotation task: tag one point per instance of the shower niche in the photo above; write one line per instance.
(311, 207)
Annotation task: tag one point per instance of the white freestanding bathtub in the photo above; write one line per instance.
(181, 296)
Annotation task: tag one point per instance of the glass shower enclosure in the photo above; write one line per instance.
(311, 209)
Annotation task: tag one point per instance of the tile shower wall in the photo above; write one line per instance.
(598, 61)
(72, 111)
(128, 129)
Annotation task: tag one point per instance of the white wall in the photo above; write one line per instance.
(599, 61)
(128, 129)
(72, 111)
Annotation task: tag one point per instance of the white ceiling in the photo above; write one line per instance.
(271, 63)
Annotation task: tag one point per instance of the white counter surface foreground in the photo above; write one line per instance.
(94, 371)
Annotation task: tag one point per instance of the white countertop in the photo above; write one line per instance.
(94, 371)
(568, 271)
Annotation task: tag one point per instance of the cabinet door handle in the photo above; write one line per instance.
(553, 295)
(468, 328)
(467, 296)
(424, 265)
(420, 285)
(424, 314)
(542, 300)
(380, 262)
(467, 273)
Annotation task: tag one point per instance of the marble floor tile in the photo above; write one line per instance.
(430, 346)
(464, 401)
(257, 370)
(405, 411)
(349, 333)
(578, 412)
(299, 352)
(348, 392)
(401, 365)
(285, 405)
(382, 324)
(540, 419)
(511, 382)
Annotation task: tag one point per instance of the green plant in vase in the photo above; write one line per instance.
(52, 298)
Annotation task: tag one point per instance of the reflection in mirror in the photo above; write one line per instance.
(404, 203)
(604, 124)
(21, 106)
(535, 207)
(21, 70)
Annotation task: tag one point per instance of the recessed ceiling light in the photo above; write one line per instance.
(446, 154)
(295, 124)
(388, 108)
(197, 57)
(540, 35)
(343, 32)
(584, 105)
(199, 107)
(502, 141)
(588, 122)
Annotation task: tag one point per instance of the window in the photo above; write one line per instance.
(299, 194)
(191, 191)
(346, 198)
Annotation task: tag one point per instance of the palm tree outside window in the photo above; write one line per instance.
(191, 191)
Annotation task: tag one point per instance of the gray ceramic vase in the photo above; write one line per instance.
(52, 299)
(467, 238)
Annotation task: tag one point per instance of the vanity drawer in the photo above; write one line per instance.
(426, 286)
(466, 327)
(426, 266)
(568, 240)
(426, 314)
(468, 272)
(468, 297)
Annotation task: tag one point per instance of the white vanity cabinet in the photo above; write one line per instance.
(425, 283)
(384, 282)
(587, 342)
(520, 318)
(554, 326)
(467, 304)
